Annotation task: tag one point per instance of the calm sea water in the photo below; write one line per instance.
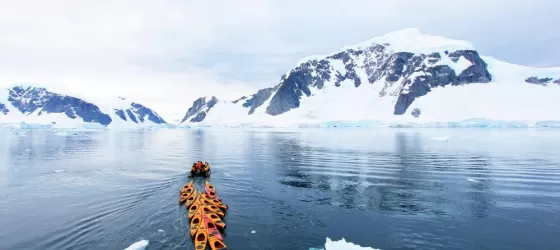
(388, 189)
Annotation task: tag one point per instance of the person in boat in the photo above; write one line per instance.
(193, 168)
(200, 167)
(196, 167)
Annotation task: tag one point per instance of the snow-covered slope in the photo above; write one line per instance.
(403, 76)
(37, 105)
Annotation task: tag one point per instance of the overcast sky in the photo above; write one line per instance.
(165, 54)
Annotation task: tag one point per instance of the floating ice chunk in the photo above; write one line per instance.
(342, 245)
(440, 138)
(547, 124)
(253, 231)
(24, 125)
(59, 171)
(472, 180)
(61, 133)
(139, 245)
(368, 124)
(66, 133)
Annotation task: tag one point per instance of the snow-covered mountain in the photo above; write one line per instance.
(403, 76)
(37, 105)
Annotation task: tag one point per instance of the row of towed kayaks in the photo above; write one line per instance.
(206, 213)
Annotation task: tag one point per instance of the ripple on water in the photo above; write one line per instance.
(389, 190)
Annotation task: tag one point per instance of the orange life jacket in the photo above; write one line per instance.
(199, 165)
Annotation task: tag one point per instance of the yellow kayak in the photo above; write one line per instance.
(188, 185)
(216, 244)
(191, 200)
(193, 210)
(195, 223)
(212, 199)
(216, 220)
(201, 237)
(185, 195)
(208, 209)
(206, 201)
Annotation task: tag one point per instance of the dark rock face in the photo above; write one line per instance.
(121, 114)
(539, 81)
(296, 84)
(143, 111)
(313, 73)
(557, 81)
(33, 99)
(440, 76)
(416, 112)
(197, 112)
(258, 99)
(131, 116)
(240, 99)
(28, 100)
(3, 109)
(405, 75)
(411, 70)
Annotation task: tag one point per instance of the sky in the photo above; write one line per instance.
(165, 54)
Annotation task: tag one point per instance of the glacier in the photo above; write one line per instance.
(401, 79)
(36, 107)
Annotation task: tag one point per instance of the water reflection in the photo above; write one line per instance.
(62, 146)
(387, 190)
(403, 196)
(479, 186)
(198, 144)
(289, 156)
(408, 180)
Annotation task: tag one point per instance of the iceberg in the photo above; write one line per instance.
(139, 245)
(369, 124)
(342, 245)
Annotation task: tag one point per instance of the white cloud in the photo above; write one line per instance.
(166, 53)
